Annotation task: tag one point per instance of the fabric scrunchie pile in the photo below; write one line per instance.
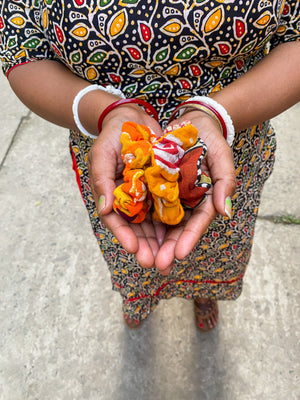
(164, 171)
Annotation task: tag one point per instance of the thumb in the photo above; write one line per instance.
(102, 179)
(224, 180)
(103, 196)
(222, 193)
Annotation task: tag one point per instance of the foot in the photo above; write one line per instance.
(206, 314)
(132, 323)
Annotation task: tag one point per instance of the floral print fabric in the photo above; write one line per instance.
(164, 52)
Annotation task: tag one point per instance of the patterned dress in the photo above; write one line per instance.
(164, 52)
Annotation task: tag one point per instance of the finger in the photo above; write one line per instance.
(160, 231)
(222, 171)
(102, 182)
(166, 254)
(148, 231)
(122, 231)
(147, 244)
(195, 228)
(104, 165)
(167, 270)
(223, 191)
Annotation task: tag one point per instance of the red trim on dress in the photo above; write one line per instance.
(18, 65)
(75, 169)
(143, 296)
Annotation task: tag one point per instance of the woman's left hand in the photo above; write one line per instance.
(180, 239)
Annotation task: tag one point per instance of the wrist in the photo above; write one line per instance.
(125, 112)
(199, 117)
(89, 107)
(89, 112)
(149, 109)
(211, 108)
(205, 124)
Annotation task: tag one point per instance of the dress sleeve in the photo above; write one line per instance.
(289, 24)
(22, 39)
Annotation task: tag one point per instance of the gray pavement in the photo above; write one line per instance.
(61, 330)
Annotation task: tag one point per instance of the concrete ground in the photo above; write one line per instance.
(61, 330)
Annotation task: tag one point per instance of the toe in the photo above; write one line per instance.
(214, 319)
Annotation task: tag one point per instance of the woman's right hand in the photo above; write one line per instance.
(105, 171)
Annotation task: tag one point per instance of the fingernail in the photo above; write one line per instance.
(101, 204)
(228, 207)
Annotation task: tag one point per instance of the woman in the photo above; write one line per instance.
(165, 53)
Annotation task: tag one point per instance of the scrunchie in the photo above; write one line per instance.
(132, 200)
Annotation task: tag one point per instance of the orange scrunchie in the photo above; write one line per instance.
(132, 200)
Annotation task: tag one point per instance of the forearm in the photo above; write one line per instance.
(269, 88)
(48, 88)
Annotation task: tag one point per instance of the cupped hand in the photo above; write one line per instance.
(105, 171)
(179, 240)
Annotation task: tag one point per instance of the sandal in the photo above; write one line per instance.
(206, 314)
(132, 323)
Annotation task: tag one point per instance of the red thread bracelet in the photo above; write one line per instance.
(205, 105)
(148, 108)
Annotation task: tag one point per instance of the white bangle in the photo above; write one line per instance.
(222, 111)
(214, 109)
(83, 92)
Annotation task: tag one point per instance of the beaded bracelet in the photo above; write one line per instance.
(148, 108)
(212, 108)
(109, 89)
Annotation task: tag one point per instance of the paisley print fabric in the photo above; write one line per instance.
(164, 52)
